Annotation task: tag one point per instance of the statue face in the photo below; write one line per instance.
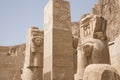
(38, 41)
(87, 49)
(99, 35)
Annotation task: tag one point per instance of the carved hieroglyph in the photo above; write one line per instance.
(58, 49)
(93, 48)
(90, 25)
(33, 65)
(100, 72)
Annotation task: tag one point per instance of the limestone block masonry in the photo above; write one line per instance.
(58, 49)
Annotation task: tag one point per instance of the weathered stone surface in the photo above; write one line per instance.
(114, 48)
(110, 10)
(58, 49)
(93, 47)
(11, 62)
(75, 29)
(93, 26)
(63, 54)
(33, 65)
(75, 37)
(100, 72)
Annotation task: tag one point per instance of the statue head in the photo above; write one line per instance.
(87, 49)
(99, 35)
(38, 41)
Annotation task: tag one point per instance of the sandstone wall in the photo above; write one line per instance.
(11, 62)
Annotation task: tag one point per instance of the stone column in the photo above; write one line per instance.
(81, 64)
(93, 45)
(58, 50)
(33, 65)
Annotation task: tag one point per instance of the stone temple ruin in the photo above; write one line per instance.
(85, 50)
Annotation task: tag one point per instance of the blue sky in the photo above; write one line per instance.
(16, 16)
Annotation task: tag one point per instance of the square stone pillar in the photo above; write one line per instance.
(58, 50)
(33, 65)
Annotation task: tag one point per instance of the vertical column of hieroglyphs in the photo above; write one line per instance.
(58, 48)
(33, 66)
